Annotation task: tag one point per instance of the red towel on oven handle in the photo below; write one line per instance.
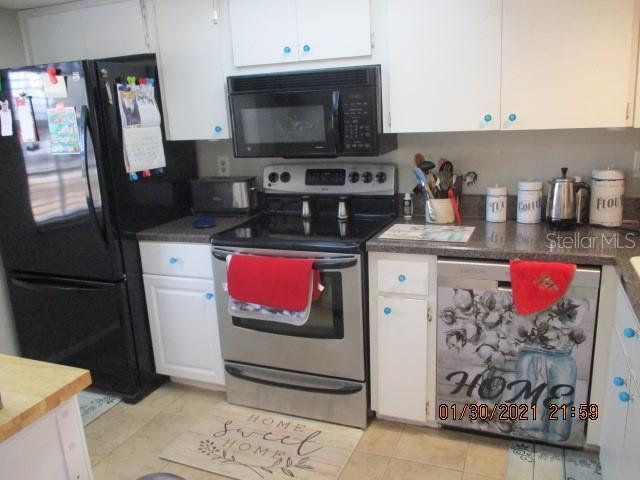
(536, 286)
(274, 282)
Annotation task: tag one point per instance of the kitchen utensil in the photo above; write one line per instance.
(440, 210)
(470, 178)
(454, 203)
(422, 163)
(561, 201)
(445, 165)
(420, 177)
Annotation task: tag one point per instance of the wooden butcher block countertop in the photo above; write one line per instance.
(30, 389)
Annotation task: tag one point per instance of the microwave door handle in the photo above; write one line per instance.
(336, 120)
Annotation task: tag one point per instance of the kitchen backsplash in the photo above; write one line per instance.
(498, 157)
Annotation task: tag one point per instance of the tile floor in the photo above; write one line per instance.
(125, 442)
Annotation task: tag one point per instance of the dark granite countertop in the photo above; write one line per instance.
(501, 241)
(182, 230)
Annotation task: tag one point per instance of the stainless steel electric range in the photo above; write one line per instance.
(325, 212)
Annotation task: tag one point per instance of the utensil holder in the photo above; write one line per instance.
(439, 211)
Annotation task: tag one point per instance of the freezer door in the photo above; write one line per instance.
(82, 324)
(53, 218)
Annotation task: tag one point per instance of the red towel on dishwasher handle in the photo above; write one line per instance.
(274, 282)
(536, 286)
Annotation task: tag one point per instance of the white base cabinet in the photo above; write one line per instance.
(402, 296)
(620, 429)
(181, 304)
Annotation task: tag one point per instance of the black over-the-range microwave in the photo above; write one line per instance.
(318, 113)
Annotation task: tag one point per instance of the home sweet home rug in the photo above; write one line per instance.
(248, 444)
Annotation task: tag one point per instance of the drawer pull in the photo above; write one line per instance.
(208, 295)
(618, 381)
(402, 278)
(173, 260)
(624, 397)
(629, 332)
(387, 310)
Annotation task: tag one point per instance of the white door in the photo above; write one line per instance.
(76, 32)
(263, 31)
(567, 63)
(444, 65)
(190, 65)
(631, 450)
(184, 328)
(614, 412)
(402, 358)
(333, 29)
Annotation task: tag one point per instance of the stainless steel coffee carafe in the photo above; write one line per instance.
(561, 201)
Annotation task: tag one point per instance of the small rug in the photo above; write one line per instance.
(529, 461)
(93, 404)
(248, 444)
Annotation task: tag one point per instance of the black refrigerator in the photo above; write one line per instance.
(69, 222)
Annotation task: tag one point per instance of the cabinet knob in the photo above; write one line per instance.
(208, 295)
(217, 129)
(513, 117)
(306, 48)
(173, 260)
(287, 50)
(624, 397)
(387, 310)
(488, 118)
(401, 278)
(618, 381)
(629, 332)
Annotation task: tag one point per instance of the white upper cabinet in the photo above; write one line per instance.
(279, 31)
(263, 31)
(444, 65)
(568, 63)
(190, 66)
(333, 29)
(87, 29)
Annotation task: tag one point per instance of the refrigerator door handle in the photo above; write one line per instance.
(37, 284)
(92, 207)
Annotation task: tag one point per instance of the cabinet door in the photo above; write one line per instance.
(184, 328)
(190, 64)
(630, 456)
(264, 31)
(333, 29)
(614, 412)
(75, 32)
(402, 358)
(444, 65)
(567, 63)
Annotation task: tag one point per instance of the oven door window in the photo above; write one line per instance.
(285, 124)
(326, 319)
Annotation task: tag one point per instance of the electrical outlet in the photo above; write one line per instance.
(636, 164)
(223, 166)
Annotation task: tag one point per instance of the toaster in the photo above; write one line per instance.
(231, 195)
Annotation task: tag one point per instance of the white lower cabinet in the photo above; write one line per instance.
(184, 327)
(402, 295)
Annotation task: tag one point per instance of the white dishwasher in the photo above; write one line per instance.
(521, 376)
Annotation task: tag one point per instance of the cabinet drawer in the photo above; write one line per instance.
(399, 276)
(628, 330)
(176, 259)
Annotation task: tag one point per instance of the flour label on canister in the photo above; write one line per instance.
(607, 198)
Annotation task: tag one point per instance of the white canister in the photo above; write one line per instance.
(496, 204)
(529, 201)
(607, 192)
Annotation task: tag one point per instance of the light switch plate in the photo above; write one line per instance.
(636, 164)
(223, 166)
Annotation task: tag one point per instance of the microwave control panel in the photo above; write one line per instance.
(358, 123)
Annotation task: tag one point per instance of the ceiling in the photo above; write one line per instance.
(23, 4)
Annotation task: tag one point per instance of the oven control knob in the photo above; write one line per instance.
(354, 177)
(285, 177)
(367, 177)
(273, 177)
(381, 177)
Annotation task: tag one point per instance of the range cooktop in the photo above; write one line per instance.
(288, 232)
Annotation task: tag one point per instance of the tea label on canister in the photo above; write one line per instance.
(529, 201)
(496, 204)
(607, 194)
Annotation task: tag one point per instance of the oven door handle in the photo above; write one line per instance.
(343, 390)
(325, 264)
